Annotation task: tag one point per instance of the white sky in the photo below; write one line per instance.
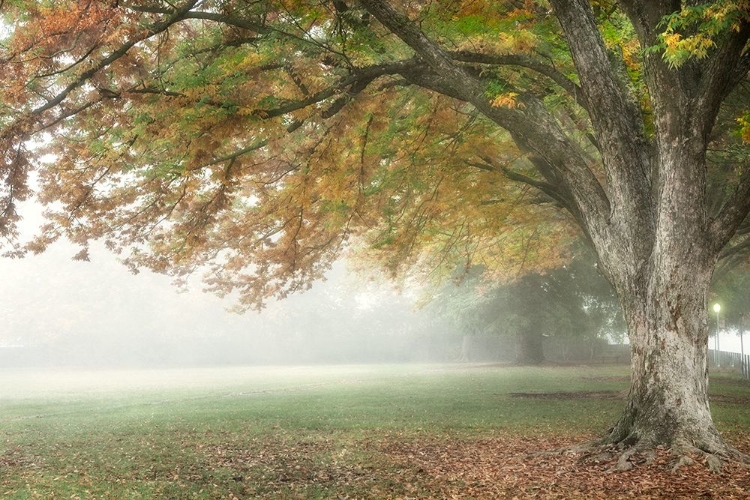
(51, 299)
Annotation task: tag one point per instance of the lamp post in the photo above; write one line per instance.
(717, 310)
(744, 323)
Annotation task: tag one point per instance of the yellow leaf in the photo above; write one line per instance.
(506, 100)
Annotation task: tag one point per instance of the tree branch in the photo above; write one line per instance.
(236, 154)
(525, 62)
(355, 82)
(550, 190)
(730, 251)
(733, 213)
(646, 16)
(178, 15)
(342, 101)
(740, 72)
(716, 81)
(530, 124)
(614, 114)
(259, 28)
(229, 20)
(148, 9)
(351, 85)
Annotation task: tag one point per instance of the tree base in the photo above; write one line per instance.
(643, 453)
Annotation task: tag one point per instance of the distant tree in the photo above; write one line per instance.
(572, 301)
(257, 138)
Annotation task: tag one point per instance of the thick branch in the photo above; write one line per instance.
(531, 123)
(342, 101)
(355, 83)
(738, 248)
(351, 85)
(740, 72)
(229, 20)
(615, 116)
(545, 187)
(646, 16)
(720, 76)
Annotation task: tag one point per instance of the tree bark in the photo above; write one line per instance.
(668, 327)
(665, 302)
(662, 260)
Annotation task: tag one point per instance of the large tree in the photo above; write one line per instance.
(258, 137)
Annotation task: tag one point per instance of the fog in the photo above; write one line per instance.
(59, 312)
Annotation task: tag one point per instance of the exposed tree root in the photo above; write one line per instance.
(643, 453)
(626, 457)
(713, 456)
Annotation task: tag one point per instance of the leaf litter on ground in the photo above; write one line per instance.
(500, 467)
(508, 467)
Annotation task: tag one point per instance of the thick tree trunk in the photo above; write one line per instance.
(529, 347)
(665, 305)
(668, 401)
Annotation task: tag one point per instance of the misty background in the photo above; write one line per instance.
(60, 312)
(56, 311)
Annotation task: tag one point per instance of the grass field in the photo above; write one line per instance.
(402, 431)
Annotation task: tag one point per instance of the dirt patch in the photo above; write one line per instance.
(623, 378)
(725, 399)
(569, 395)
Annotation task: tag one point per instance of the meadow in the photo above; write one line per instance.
(368, 431)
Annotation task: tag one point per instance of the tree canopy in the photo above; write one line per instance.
(260, 136)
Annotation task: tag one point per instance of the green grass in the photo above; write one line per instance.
(281, 432)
